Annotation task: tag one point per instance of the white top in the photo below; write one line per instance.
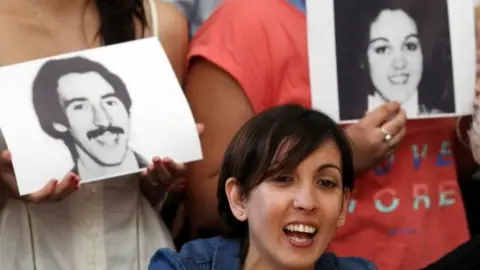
(410, 106)
(104, 225)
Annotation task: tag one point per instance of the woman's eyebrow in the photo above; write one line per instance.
(378, 39)
(327, 166)
(413, 35)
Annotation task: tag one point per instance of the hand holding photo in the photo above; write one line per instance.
(418, 53)
(98, 113)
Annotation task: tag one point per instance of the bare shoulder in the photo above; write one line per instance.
(172, 24)
(173, 34)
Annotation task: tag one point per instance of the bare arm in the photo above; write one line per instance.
(218, 102)
(173, 34)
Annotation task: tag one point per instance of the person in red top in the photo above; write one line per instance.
(250, 55)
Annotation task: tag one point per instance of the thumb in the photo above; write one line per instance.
(381, 114)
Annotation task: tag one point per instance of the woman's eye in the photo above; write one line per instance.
(411, 46)
(327, 183)
(283, 179)
(381, 49)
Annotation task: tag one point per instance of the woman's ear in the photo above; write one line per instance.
(343, 212)
(236, 199)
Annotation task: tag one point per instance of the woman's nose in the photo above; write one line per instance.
(399, 62)
(305, 199)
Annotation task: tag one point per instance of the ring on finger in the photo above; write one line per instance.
(387, 138)
(386, 135)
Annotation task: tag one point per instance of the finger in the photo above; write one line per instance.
(397, 139)
(43, 194)
(178, 185)
(6, 171)
(151, 175)
(9, 180)
(392, 144)
(175, 169)
(69, 184)
(200, 128)
(6, 160)
(160, 173)
(393, 126)
(381, 114)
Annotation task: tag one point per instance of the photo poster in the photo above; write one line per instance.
(100, 113)
(419, 53)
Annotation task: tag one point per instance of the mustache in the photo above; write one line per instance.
(92, 134)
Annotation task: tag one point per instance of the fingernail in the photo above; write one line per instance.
(167, 160)
(75, 180)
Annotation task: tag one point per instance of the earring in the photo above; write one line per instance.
(241, 213)
(342, 221)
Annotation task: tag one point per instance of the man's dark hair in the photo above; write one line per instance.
(45, 96)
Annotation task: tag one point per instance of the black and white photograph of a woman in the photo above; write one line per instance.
(366, 53)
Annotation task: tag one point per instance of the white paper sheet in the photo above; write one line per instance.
(161, 123)
(335, 86)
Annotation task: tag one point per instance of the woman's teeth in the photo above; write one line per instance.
(302, 228)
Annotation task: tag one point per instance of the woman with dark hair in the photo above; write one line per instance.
(103, 225)
(250, 55)
(282, 193)
(396, 50)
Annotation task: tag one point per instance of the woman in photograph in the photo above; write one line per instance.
(393, 51)
(106, 224)
(283, 192)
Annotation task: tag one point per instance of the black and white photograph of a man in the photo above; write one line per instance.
(100, 113)
(87, 106)
(395, 50)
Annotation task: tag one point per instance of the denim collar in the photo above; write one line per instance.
(226, 256)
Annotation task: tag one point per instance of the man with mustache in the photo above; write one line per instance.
(82, 103)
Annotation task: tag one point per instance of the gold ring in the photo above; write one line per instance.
(386, 136)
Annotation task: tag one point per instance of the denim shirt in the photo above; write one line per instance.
(219, 253)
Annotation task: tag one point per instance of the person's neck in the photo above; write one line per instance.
(88, 168)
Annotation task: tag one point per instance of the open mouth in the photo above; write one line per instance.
(300, 235)
(399, 79)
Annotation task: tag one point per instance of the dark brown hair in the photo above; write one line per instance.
(45, 96)
(117, 19)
